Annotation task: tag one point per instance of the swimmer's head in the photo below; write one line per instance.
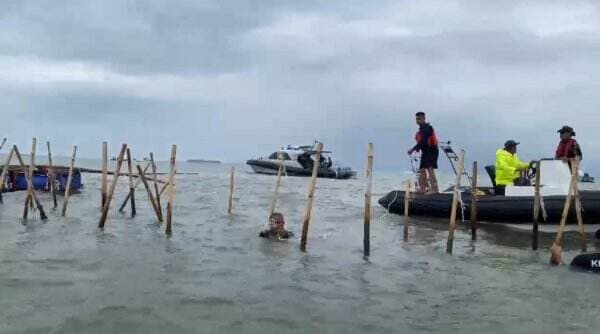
(277, 219)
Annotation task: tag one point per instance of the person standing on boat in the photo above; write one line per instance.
(568, 148)
(427, 144)
(508, 167)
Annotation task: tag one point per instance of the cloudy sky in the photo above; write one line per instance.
(235, 79)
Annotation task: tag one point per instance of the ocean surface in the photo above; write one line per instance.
(214, 275)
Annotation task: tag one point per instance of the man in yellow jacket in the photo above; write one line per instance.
(508, 166)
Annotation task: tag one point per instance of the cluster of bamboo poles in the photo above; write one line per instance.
(32, 202)
(31, 199)
(556, 249)
(154, 194)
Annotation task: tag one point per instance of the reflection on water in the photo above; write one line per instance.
(216, 275)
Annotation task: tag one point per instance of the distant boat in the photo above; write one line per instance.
(203, 161)
(113, 159)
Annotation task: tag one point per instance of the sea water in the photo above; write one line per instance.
(215, 275)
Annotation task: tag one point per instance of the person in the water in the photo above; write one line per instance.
(276, 228)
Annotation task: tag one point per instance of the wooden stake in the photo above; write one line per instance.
(24, 168)
(51, 177)
(131, 187)
(3, 142)
(150, 196)
(277, 185)
(578, 213)
(113, 186)
(452, 225)
(367, 223)
(474, 199)
(171, 190)
(5, 170)
(311, 197)
(29, 196)
(155, 179)
(1, 146)
(69, 181)
(406, 209)
(536, 207)
(128, 197)
(231, 180)
(104, 185)
(556, 249)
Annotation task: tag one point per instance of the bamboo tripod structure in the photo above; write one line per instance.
(452, 225)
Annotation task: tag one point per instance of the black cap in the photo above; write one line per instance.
(510, 143)
(566, 129)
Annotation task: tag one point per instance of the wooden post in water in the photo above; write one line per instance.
(150, 196)
(156, 192)
(452, 225)
(69, 181)
(231, 180)
(29, 196)
(578, 209)
(1, 187)
(104, 185)
(131, 187)
(113, 186)
(171, 190)
(406, 209)
(34, 196)
(5, 170)
(277, 185)
(51, 177)
(367, 223)
(128, 197)
(311, 197)
(536, 207)
(556, 249)
(474, 199)
(3, 142)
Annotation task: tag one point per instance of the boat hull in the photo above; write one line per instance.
(503, 209)
(268, 167)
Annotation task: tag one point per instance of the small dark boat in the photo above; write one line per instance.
(298, 161)
(589, 262)
(17, 181)
(516, 207)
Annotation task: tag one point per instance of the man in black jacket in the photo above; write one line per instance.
(427, 144)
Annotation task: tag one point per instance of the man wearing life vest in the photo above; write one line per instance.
(508, 167)
(427, 144)
(568, 148)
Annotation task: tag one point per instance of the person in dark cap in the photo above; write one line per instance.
(568, 148)
(427, 144)
(508, 167)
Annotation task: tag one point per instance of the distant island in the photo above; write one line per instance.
(203, 161)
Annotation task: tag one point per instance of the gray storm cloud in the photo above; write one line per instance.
(234, 79)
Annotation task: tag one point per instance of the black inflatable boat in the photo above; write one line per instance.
(492, 208)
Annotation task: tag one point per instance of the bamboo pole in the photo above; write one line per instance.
(29, 196)
(171, 190)
(1, 146)
(367, 222)
(150, 196)
(155, 179)
(128, 197)
(556, 249)
(5, 170)
(231, 180)
(406, 209)
(24, 168)
(277, 185)
(69, 181)
(452, 225)
(311, 197)
(474, 199)
(113, 186)
(536, 207)
(51, 176)
(104, 186)
(131, 187)
(3, 142)
(578, 209)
